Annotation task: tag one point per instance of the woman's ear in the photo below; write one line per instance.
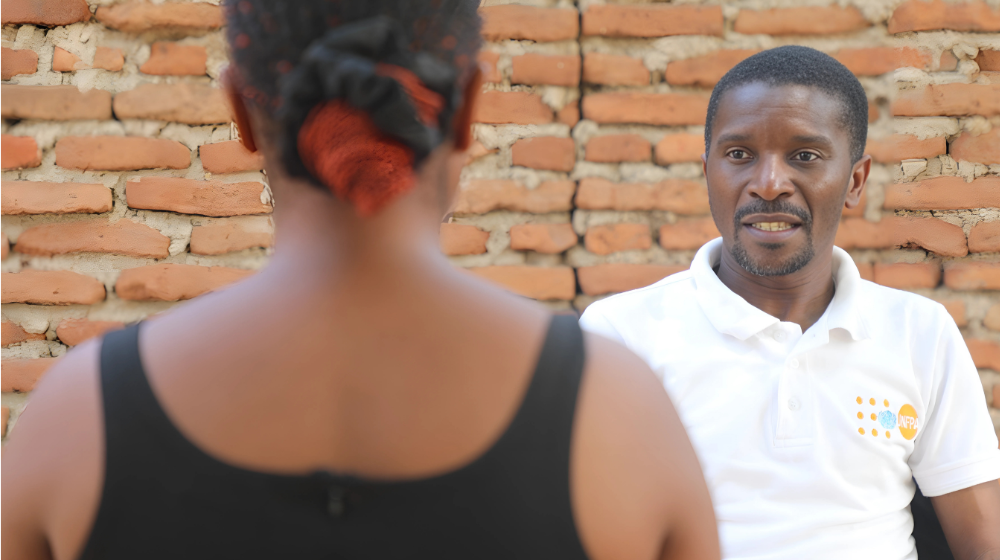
(462, 123)
(239, 109)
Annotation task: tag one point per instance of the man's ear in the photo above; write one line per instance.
(859, 177)
(239, 109)
(462, 122)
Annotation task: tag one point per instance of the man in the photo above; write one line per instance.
(813, 397)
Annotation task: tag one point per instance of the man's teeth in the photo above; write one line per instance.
(772, 226)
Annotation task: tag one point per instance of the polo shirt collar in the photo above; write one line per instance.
(731, 314)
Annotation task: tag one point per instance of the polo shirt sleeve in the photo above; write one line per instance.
(955, 446)
(595, 321)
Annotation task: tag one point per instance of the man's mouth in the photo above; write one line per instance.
(772, 226)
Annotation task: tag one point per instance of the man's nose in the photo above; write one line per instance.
(772, 178)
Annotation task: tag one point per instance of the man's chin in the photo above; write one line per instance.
(772, 265)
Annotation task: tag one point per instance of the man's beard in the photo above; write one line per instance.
(790, 265)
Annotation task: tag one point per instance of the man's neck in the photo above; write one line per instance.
(800, 297)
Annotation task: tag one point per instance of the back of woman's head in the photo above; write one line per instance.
(360, 91)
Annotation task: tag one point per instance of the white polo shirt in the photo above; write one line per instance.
(809, 441)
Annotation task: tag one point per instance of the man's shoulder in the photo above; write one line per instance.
(893, 304)
(663, 292)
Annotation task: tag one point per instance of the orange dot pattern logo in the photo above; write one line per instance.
(905, 419)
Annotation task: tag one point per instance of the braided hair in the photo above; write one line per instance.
(362, 91)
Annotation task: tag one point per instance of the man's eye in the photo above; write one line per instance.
(806, 156)
(737, 154)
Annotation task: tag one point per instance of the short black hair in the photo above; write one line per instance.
(796, 65)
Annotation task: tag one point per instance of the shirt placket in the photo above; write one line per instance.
(794, 426)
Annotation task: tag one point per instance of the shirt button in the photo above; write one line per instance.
(794, 404)
(793, 363)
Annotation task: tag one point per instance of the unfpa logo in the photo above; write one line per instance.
(905, 420)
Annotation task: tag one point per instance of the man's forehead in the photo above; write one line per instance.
(799, 106)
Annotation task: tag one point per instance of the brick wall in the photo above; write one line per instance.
(124, 191)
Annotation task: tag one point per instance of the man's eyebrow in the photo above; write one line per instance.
(734, 138)
(812, 140)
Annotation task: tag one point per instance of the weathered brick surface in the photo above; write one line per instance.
(530, 23)
(235, 234)
(972, 276)
(875, 61)
(186, 103)
(611, 278)
(800, 21)
(944, 193)
(229, 157)
(613, 148)
(459, 239)
(988, 60)
(984, 237)
(921, 15)
(956, 308)
(569, 115)
(983, 148)
(688, 234)
(136, 16)
(173, 59)
(482, 196)
(985, 353)
(37, 197)
(953, 100)
(54, 103)
(174, 282)
(76, 331)
(4, 246)
(651, 20)
(121, 153)
(12, 333)
(905, 146)
(542, 283)
(536, 69)
(15, 62)
(45, 12)
(542, 238)
(18, 152)
(614, 70)
(992, 319)
(123, 237)
(20, 375)
(611, 238)
(190, 196)
(544, 152)
(105, 58)
(680, 148)
(932, 234)
(675, 195)
(51, 287)
(906, 276)
(513, 107)
(706, 70)
(645, 108)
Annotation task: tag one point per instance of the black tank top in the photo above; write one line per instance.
(165, 498)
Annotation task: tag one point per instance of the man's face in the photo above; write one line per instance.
(779, 170)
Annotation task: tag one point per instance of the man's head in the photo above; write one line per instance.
(784, 152)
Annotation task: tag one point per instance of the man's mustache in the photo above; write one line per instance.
(761, 206)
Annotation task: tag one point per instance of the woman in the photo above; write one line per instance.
(359, 397)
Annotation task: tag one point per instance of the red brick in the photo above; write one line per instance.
(944, 193)
(812, 20)
(688, 234)
(613, 148)
(537, 69)
(972, 276)
(476, 151)
(77, 331)
(541, 25)
(4, 247)
(36, 197)
(12, 333)
(570, 114)
(15, 62)
(682, 196)
(948, 62)
(617, 277)
(123, 237)
(544, 152)
(706, 70)
(652, 20)
(985, 353)
(105, 58)
(669, 109)
(918, 15)
(542, 238)
(184, 103)
(905, 146)
(18, 152)
(956, 308)
(680, 148)
(174, 282)
(612, 238)
(985, 238)
(22, 374)
(931, 234)
(873, 112)
(875, 61)
(952, 100)
(173, 59)
(905, 276)
(541, 283)
(511, 107)
(486, 195)
(460, 239)
(54, 103)
(6, 417)
(190, 196)
(488, 61)
(235, 234)
(984, 148)
(229, 157)
(121, 153)
(988, 60)
(614, 70)
(992, 322)
(137, 17)
(49, 13)
(51, 287)
(996, 396)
